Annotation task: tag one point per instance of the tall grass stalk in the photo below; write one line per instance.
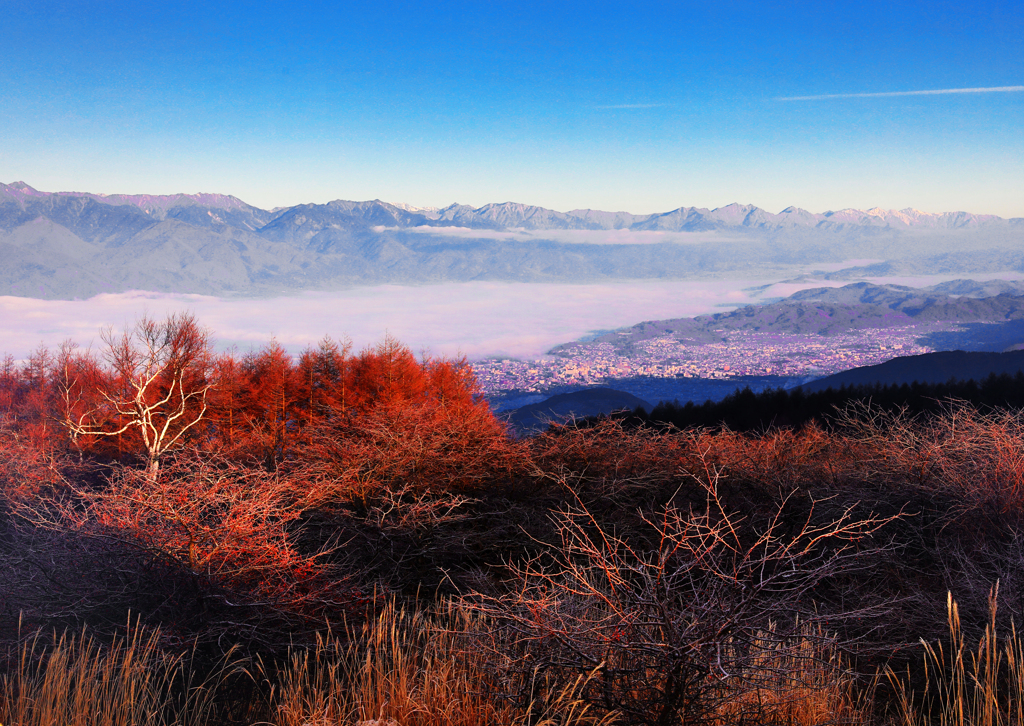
(411, 670)
(76, 681)
(800, 683)
(963, 687)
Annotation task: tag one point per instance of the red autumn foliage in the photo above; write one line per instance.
(406, 425)
(210, 464)
(227, 523)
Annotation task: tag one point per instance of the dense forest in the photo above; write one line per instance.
(745, 410)
(344, 537)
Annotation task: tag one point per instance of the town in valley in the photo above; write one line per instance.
(739, 355)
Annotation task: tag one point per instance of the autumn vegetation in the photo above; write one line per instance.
(342, 537)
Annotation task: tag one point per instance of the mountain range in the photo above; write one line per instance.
(75, 244)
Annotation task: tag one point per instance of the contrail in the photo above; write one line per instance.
(935, 92)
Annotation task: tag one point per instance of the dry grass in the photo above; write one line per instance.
(964, 687)
(408, 670)
(78, 682)
(404, 670)
(801, 684)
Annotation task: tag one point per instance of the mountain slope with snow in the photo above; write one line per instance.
(73, 244)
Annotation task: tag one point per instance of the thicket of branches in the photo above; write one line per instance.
(252, 506)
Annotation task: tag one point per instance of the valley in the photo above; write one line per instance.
(742, 354)
(812, 334)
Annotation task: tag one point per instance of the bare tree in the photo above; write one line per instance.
(157, 389)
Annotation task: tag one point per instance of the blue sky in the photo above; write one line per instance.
(640, 107)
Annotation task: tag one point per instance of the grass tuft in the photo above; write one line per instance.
(77, 681)
(411, 670)
(964, 687)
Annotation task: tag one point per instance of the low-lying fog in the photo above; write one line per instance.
(476, 319)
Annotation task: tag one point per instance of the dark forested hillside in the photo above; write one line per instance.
(928, 368)
(745, 410)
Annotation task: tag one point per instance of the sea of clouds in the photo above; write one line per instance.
(474, 319)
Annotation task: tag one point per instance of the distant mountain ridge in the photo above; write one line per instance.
(159, 207)
(511, 215)
(939, 367)
(73, 244)
(592, 401)
(828, 311)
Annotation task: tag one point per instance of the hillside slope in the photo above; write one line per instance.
(937, 367)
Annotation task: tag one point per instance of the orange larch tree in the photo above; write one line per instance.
(323, 388)
(269, 403)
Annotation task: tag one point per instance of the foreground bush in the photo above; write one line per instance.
(703, 614)
(212, 495)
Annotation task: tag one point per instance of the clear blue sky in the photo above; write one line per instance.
(641, 107)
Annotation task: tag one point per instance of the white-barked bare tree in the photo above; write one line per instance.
(158, 386)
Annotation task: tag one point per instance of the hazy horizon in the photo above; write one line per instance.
(455, 231)
(564, 235)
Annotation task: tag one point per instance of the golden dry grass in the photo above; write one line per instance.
(802, 684)
(75, 681)
(965, 687)
(408, 670)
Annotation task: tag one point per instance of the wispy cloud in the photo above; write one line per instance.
(570, 236)
(633, 105)
(890, 94)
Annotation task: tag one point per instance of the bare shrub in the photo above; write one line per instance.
(211, 550)
(805, 681)
(977, 456)
(610, 459)
(961, 473)
(703, 618)
(212, 517)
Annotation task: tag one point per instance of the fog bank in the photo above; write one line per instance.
(476, 319)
